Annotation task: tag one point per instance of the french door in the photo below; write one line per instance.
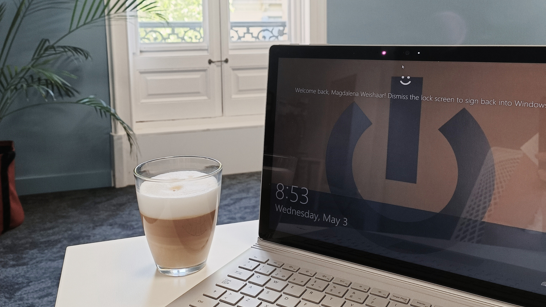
(211, 61)
(199, 81)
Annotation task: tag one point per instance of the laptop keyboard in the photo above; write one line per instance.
(263, 282)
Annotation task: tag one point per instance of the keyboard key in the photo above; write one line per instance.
(231, 284)
(342, 282)
(316, 284)
(259, 258)
(249, 265)
(294, 290)
(269, 296)
(275, 263)
(288, 301)
(214, 293)
(353, 304)
(380, 293)
(203, 302)
(265, 269)
(356, 296)
(277, 285)
(259, 280)
(400, 298)
(299, 280)
(313, 296)
(360, 287)
(306, 304)
(419, 303)
(330, 301)
(249, 302)
(231, 298)
(251, 290)
(396, 304)
(290, 267)
(223, 305)
(325, 277)
(241, 274)
(264, 304)
(308, 272)
(375, 301)
(282, 274)
(336, 290)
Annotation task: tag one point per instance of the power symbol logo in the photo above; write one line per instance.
(463, 133)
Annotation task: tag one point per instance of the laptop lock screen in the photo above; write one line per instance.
(432, 161)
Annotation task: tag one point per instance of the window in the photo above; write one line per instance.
(210, 59)
(250, 21)
(181, 85)
(185, 23)
(259, 21)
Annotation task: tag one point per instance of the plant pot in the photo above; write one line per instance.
(11, 210)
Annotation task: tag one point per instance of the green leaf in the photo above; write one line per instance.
(11, 72)
(41, 6)
(13, 29)
(72, 51)
(69, 75)
(40, 85)
(2, 11)
(39, 51)
(82, 11)
(38, 74)
(116, 7)
(90, 10)
(99, 8)
(3, 80)
(51, 80)
(73, 14)
(130, 5)
(103, 108)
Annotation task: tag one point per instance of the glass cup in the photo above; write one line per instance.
(178, 200)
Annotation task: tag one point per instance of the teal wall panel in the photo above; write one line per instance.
(61, 147)
(437, 22)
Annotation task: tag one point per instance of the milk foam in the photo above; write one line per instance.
(180, 197)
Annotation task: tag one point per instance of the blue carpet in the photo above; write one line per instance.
(31, 256)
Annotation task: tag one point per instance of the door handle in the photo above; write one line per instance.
(224, 61)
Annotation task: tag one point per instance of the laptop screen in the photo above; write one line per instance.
(429, 162)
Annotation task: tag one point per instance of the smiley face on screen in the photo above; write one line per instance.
(408, 82)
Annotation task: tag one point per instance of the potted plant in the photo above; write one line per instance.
(42, 73)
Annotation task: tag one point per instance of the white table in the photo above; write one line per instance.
(123, 273)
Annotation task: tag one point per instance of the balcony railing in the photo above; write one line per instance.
(192, 32)
(254, 31)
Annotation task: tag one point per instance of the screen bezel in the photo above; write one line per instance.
(506, 54)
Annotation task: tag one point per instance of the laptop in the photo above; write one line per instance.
(397, 176)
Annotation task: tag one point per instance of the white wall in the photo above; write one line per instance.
(240, 149)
